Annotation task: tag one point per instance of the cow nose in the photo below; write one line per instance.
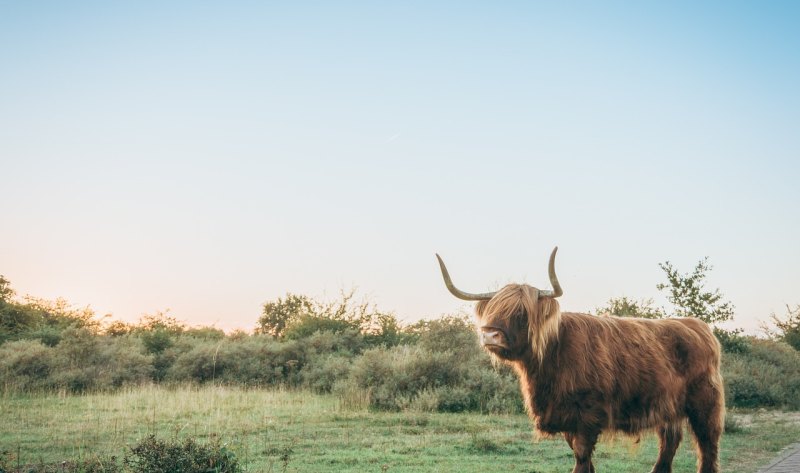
(490, 336)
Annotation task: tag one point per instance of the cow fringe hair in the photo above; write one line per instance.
(544, 314)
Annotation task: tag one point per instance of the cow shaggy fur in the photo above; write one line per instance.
(582, 375)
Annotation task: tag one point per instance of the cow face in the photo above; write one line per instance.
(503, 335)
(516, 322)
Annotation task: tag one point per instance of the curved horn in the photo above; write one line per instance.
(551, 269)
(457, 292)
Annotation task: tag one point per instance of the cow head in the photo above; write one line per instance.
(516, 320)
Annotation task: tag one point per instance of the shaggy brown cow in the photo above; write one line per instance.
(581, 375)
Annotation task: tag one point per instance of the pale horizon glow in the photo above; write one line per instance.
(209, 158)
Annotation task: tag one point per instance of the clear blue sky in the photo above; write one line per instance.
(208, 158)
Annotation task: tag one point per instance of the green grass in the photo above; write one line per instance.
(270, 430)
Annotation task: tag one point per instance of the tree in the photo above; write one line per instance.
(158, 331)
(280, 314)
(624, 307)
(39, 318)
(6, 293)
(687, 295)
(118, 328)
(160, 321)
(386, 330)
(788, 326)
(689, 298)
(60, 314)
(450, 332)
(358, 314)
(16, 320)
(298, 316)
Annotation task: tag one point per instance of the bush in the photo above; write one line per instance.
(49, 335)
(415, 378)
(89, 362)
(123, 363)
(153, 455)
(25, 365)
(206, 333)
(157, 340)
(322, 371)
(746, 392)
(254, 361)
(453, 333)
(308, 325)
(493, 389)
(78, 348)
(625, 307)
(732, 341)
(788, 326)
(361, 355)
(347, 342)
(768, 374)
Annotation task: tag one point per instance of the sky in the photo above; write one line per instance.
(209, 157)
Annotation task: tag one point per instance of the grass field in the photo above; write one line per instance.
(298, 431)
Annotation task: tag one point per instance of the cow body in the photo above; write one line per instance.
(610, 373)
(597, 374)
(582, 375)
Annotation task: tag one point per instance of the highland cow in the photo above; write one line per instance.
(581, 375)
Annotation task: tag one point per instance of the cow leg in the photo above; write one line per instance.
(570, 438)
(705, 409)
(582, 444)
(670, 436)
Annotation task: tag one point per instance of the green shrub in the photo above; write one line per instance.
(449, 333)
(768, 374)
(493, 389)
(787, 327)
(482, 444)
(322, 371)
(88, 362)
(79, 363)
(456, 399)
(78, 348)
(255, 361)
(123, 363)
(345, 342)
(48, 335)
(415, 378)
(746, 392)
(157, 340)
(732, 341)
(201, 363)
(308, 325)
(386, 331)
(153, 455)
(427, 400)
(629, 307)
(25, 365)
(206, 333)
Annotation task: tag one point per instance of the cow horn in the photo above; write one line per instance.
(551, 269)
(457, 292)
